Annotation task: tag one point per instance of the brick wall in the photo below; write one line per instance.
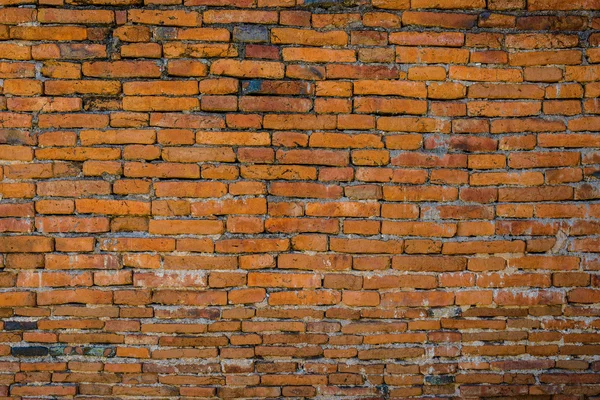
(311, 198)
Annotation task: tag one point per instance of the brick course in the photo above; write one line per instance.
(311, 198)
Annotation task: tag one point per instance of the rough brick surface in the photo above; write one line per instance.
(300, 198)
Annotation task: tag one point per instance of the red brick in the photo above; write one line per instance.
(81, 296)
